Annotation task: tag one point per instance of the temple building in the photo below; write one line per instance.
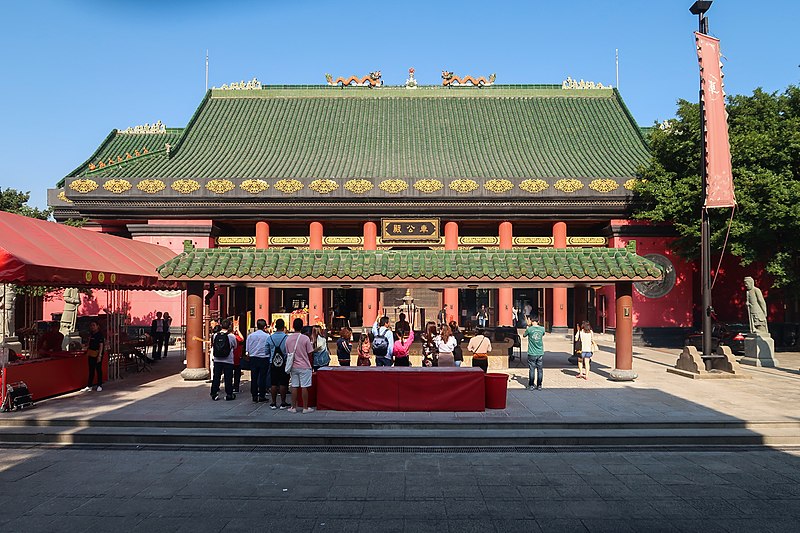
(503, 178)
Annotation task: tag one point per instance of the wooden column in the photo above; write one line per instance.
(623, 363)
(560, 293)
(369, 303)
(505, 295)
(451, 294)
(195, 363)
(316, 311)
(262, 292)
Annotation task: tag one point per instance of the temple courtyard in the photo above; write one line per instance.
(663, 453)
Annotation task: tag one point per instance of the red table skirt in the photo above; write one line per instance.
(51, 376)
(400, 389)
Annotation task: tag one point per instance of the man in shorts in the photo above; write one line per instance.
(300, 373)
(279, 379)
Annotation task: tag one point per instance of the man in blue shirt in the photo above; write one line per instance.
(382, 342)
(256, 350)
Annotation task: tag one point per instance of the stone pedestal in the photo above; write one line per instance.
(195, 374)
(759, 350)
(720, 365)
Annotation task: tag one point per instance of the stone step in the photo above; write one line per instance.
(401, 436)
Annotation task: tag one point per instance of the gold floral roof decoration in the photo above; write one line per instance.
(220, 186)
(393, 186)
(464, 185)
(63, 197)
(151, 186)
(185, 186)
(603, 185)
(568, 185)
(117, 186)
(534, 186)
(254, 186)
(631, 184)
(83, 185)
(288, 186)
(323, 186)
(428, 185)
(358, 186)
(498, 185)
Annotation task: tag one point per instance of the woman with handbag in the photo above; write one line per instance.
(586, 338)
(480, 346)
(320, 356)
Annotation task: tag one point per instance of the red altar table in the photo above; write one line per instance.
(59, 373)
(400, 389)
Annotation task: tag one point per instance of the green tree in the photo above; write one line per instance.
(764, 133)
(15, 201)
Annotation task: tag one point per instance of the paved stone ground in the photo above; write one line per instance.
(85, 489)
(656, 396)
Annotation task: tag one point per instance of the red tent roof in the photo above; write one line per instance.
(37, 252)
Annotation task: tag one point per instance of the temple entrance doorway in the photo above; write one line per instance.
(345, 309)
(529, 302)
(470, 301)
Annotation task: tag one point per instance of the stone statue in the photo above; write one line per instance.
(756, 308)
(72, 300)
(7, 297)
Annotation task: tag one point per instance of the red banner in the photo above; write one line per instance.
(719, 179)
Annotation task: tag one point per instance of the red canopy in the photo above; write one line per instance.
(37, 252)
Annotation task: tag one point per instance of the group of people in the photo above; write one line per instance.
(159, 333)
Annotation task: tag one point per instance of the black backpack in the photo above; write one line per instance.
(380, 344)
(278, 357)
(222, 346)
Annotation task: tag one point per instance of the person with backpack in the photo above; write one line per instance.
(223, 343)
(585, 339)
(382, 342)
(298, 351)
(279, 378)
(258, 355)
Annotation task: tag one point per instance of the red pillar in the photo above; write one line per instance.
(195, 361)
(623, 336)
(316, 312)
(505, 295)
(560, 293)
(262, 293)
(369, 303)
(451, 294)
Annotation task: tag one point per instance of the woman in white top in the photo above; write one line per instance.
(445, 344)
(586, 337)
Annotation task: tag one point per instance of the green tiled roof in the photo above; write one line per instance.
(497, 132)
(571, 264)
(117, 144)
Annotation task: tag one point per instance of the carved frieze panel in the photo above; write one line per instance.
(568, 185)
(151, 186)
(117, 186)
(254, 186)
(185, 186)
(288, 186)
(83, 186)
(220, 186)
(498, 186)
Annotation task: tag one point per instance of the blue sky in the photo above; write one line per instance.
(74, 69)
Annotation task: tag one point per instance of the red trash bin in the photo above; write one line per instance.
(496, 389)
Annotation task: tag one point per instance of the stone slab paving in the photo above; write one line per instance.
(656, 396)
(102, 489)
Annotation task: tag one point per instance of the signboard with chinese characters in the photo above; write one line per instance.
(407, 230)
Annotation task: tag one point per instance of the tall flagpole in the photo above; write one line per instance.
(616, 61)
(206, 69)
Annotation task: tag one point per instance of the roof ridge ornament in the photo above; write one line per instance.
(252, 85)
(147, 129)
(569, 83)
(451, 80)
(373, 79)
(411, 82)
